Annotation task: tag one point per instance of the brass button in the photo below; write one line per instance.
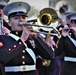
(9, 49)
(23, 51)
(23, 62)
(53, 49)
(14, 45)
(70, 33)
(23, 57)
(19, 42)
(16, 33)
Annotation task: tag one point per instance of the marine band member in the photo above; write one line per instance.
(20, 47)
(67, 44)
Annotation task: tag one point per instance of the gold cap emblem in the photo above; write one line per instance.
(20, 3)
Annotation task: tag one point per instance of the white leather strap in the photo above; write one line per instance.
(72, 59)
(73, 41)
(20, 68)
(31, 53)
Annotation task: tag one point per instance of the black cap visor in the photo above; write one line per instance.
(2, 6)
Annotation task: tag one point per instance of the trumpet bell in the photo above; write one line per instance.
(47, 17)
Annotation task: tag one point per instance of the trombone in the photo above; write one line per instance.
(37, 31)
(46, 18)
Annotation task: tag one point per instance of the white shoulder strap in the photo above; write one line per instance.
(73, 41)
(31, 53)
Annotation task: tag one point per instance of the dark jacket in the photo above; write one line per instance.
(66, 45)
(12, 52)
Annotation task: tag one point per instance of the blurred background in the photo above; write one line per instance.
(52, 3)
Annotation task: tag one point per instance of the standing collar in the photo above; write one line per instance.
(18, 33)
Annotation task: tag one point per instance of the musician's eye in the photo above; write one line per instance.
(16, 17)
(73, 21)
(19, 17)
(23, 17)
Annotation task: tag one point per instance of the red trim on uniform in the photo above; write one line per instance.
(13, 49)
(36, 72)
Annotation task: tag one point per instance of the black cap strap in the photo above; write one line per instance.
(18, 14)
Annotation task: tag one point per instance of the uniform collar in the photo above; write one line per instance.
(18, 33)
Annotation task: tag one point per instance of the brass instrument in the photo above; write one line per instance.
(54, 34)
(47, 16)
(63, 7)
(47, 20)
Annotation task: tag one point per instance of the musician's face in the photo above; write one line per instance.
(15, 22)
(73, 23)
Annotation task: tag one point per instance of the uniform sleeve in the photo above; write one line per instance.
(43, 49)
(60, 49)
(7, 54)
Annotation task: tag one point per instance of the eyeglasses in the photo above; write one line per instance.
(73, 21)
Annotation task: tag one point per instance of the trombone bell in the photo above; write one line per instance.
(47, 17)
(47, 20)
